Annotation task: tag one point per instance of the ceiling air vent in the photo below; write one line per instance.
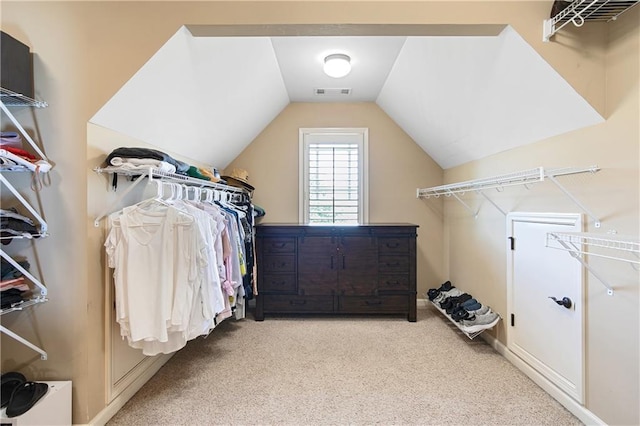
(331, 92)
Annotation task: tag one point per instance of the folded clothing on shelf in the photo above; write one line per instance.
(13, 224)
(142, 164)
(12, 296)
(15, 158)
(10, 139)
(136, 152)
(8, 271)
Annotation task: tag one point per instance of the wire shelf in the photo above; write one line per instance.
(14, 168)
(24, 304)
(523, 177)
(13, 99)
(581, 242)
(160, 177)
(25, 236)
(171, 177)
(580, 11)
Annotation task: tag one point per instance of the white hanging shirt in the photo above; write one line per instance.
(155, 252)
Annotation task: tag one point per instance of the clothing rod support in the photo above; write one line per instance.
(96, 223)
(22, 131)
(575, 200)
(586, 265)
(466, 206)
(43, 354)
(492, 202)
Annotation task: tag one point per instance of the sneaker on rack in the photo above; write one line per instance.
(444, 294)
(462, 315)
(457, 302)
(483, 309)
(462, 308)
(481, 322)
(432, 293)
(469, 302)
(472, 307)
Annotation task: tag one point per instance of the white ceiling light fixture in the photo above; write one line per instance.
(337, 65)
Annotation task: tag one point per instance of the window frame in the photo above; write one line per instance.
(360, 136)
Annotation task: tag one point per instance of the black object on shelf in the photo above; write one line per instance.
(16, 66)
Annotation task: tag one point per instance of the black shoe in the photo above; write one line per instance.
(446, 286)
(460, 315)
(24, 397)
(433, 293)
(448, 302)
(459, 300)
(10, 381)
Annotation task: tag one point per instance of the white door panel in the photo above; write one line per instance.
(546, 335)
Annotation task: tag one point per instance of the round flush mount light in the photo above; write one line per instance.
(337, 65)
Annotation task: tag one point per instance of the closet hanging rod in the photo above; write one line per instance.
(523, 177)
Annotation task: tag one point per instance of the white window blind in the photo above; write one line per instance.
(333, 179)
(333, 183)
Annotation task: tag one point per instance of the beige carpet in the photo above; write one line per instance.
(335, 371)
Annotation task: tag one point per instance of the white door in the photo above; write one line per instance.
(546, 335)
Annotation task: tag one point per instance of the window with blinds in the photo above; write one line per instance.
(333, 182)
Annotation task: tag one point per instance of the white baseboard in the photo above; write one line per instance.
(578, 410)
(118, 402)
(422, 303)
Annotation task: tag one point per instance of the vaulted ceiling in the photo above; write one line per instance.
(460, 97)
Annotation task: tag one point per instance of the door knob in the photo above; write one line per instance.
(566, 302)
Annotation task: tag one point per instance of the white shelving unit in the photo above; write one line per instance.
(499, 182)
(155, 174)
(609, 246)
(581, 11)
(12, 99)
(457, 324)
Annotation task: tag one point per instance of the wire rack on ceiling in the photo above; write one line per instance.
(580, 11)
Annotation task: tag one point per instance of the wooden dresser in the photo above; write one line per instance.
(317, 269)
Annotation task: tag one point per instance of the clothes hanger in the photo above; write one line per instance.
(158, 199)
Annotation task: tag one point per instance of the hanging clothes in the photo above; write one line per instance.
(179, 267)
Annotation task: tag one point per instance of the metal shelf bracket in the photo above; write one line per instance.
(575, 244)
(43, 354)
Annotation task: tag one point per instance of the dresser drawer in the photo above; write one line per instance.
(391, 282)
(278, 245)
(277, 283)
(294, 304)
(393, 245)
(279, 263)
(380, 304)
(393, 264)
